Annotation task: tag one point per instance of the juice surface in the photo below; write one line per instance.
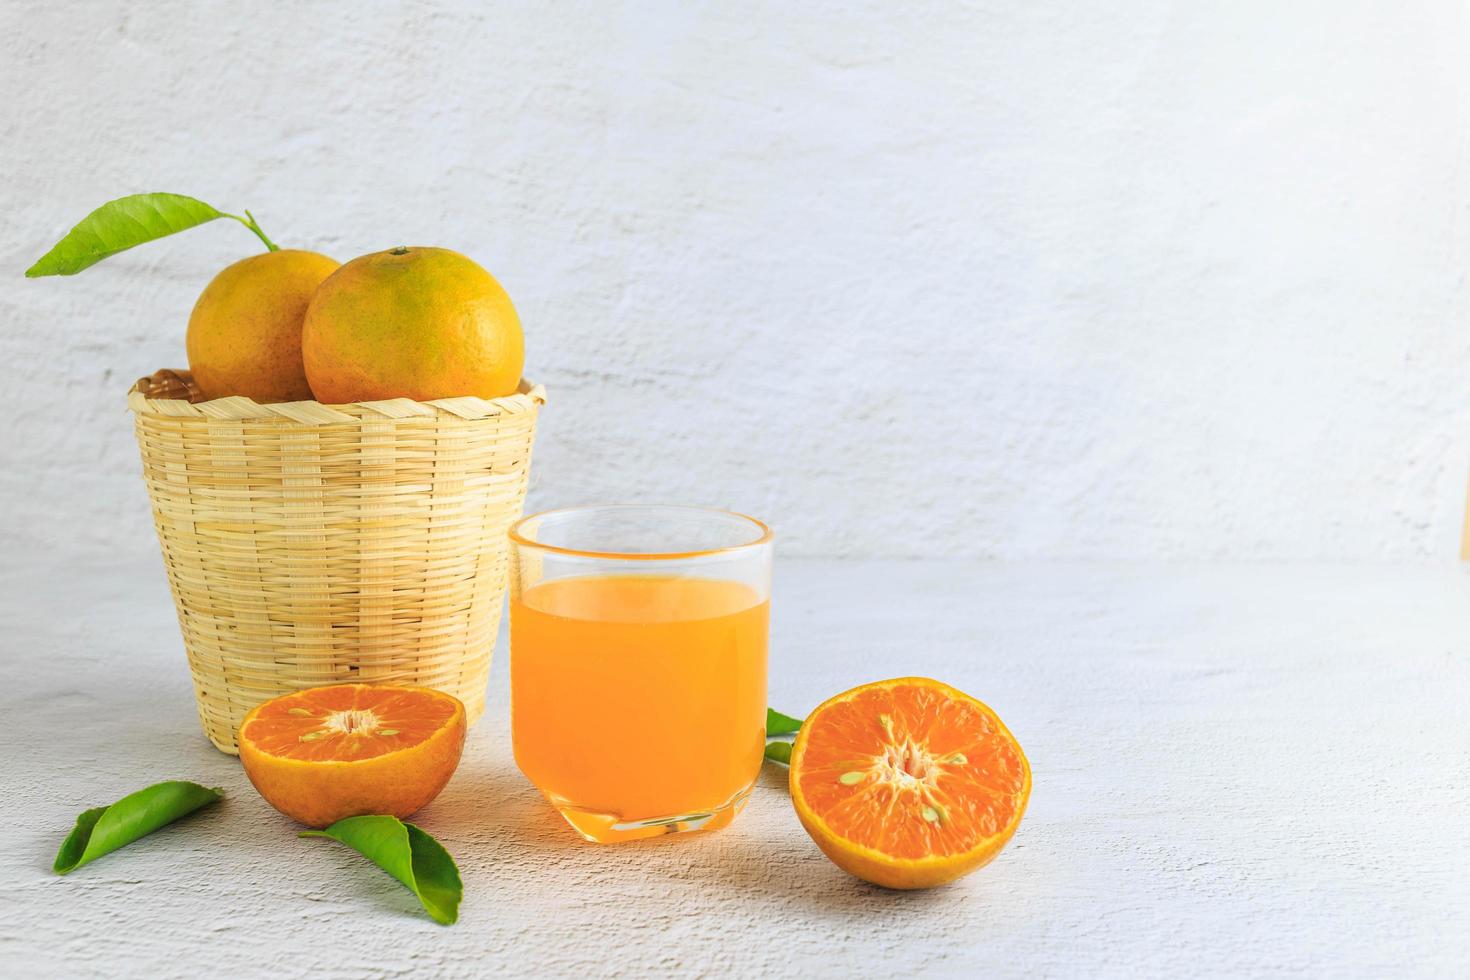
(640, 697)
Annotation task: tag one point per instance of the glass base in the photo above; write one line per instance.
(609, 828)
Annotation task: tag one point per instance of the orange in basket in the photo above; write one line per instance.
(908, 783)
(327, 753)
(418, 323)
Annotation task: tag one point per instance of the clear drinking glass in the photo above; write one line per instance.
(638, 641)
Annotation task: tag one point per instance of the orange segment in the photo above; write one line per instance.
(327, 753)
(349, 722)
(908, 783)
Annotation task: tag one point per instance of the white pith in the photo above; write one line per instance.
(910, 765)
(353, 720)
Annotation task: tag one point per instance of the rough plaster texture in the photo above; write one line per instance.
(1017, 280)
(1239, 771)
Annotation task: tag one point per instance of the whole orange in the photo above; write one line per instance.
(418, 323)
(244, 335)
(326, 753)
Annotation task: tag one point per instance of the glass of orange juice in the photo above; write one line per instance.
(638, 664)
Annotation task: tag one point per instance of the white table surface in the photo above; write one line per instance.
(1249, 770)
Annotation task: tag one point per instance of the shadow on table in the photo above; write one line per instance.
(792, 869)
(489, 801)
(734, 864)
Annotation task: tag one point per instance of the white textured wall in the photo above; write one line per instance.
(1019, 279)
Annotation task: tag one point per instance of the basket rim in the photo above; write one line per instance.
(528, 397)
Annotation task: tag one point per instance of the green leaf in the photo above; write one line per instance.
(119, 225)
(407, 853)
(106, 828)
(779, 724)
(779, 752)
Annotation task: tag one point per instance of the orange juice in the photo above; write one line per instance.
(639, 697)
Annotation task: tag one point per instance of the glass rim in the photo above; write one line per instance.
(765, 534)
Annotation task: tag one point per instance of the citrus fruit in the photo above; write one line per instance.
(327, 753)
(416, 323)
(244, 335)
(908, 783)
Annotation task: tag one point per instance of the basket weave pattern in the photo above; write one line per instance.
(308, 544)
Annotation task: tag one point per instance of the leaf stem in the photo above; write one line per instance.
(249, 222)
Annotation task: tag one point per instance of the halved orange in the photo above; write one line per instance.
(326, 753)
(908, 783)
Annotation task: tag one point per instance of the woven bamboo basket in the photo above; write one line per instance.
(308, 544)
